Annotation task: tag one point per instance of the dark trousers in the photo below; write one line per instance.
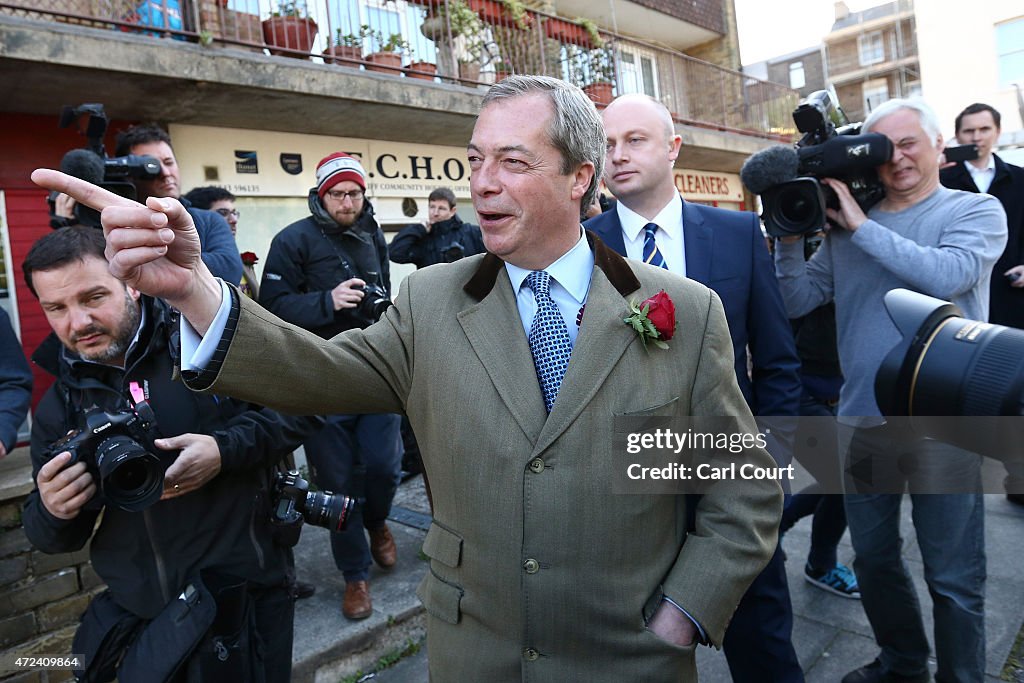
(758, 643)
(275, 622)
(360, 456)
(829, 521)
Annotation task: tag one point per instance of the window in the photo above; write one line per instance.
(872, 50)
(875, 92)
(796, 75)
(637, 71)
(1010, 51)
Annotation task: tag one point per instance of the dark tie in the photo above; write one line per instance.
(652, 254)
(550, 343)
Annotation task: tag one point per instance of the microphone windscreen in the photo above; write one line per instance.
(769, 167)
(81, 163)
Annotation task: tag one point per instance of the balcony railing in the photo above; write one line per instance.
(460, 42)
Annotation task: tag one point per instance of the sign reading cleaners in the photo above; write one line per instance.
(708, 186)
(228, 157)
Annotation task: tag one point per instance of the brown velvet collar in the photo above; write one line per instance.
(612, 264)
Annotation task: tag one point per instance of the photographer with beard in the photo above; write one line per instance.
(115, 350)
(319, 275)
(443, 238)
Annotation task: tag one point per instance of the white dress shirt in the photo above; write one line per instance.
(669, 237)
(982, 177)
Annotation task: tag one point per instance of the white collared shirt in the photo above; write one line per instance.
(570, 284)
(982, 177)
(669, 237)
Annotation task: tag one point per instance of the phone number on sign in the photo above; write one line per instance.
(14, 662)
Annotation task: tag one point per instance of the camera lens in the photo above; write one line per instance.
(130, 477)
(794, 208)
(947, 366)
(327, 510)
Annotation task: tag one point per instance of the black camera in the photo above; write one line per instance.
(93, 165)
(118, 449)
(294, 503)
(831, 147)
(374, 302)
(453, 252)
(947, 366)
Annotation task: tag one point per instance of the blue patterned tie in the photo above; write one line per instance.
(652, 254)
(549, 338)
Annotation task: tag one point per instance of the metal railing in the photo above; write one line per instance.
(459, 42)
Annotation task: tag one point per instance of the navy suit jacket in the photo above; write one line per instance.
(725, 251)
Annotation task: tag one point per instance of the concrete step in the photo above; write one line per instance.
(329, 647)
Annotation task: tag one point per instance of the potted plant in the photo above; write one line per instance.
(600, 70)
(347, 49)
(421, 69)
(502, 70)
(388, 57)
(290, 30)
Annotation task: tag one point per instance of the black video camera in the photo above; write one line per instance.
(93, 165)
(374, 302)
(118, 450)
(294, 503)
(830, 148)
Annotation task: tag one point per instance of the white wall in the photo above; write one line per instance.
(956, 44)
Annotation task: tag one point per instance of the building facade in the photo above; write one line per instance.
(254, 92)
(871, 56)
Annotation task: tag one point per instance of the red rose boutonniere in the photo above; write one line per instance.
(654, 319)
(249, 258)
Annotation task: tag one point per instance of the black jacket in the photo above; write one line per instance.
(146, 557)
(1007, 303)
(415, 245)
(310, 257)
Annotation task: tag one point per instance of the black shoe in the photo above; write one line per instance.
(873, 673)
(1015, 498)
(302, 590)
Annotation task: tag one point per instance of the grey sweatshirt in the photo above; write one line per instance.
(944, 246)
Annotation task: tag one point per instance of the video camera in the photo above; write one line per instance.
(788, 179)
(93, 165)
(118, 450)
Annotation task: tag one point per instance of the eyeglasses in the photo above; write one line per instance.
(339, 196)
(229, 212)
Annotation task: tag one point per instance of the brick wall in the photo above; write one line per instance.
(705, 13)
(814, 73)
(724, 51)
(41, 596)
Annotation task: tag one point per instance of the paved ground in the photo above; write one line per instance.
(831, 634)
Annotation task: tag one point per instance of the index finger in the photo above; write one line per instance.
(82, 191)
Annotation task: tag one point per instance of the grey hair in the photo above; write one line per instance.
(925, 114)
(576, 130)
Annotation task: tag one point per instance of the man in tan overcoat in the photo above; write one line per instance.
(538, 570)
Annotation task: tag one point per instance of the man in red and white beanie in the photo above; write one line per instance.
(314, 277)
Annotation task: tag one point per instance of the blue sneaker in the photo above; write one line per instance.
(839, 580)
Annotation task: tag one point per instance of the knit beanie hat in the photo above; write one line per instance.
(335, 168)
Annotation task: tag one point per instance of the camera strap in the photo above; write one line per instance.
(346, 264)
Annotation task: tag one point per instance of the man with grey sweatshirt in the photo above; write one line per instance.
(942, 243)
